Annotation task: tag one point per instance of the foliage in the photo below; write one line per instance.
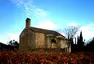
(46, 58)
(91, 42)
(90, 45)
(13, 43)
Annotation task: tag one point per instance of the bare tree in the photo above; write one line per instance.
(70, 31)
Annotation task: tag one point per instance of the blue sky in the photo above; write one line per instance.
(48, 14)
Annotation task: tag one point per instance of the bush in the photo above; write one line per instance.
(46, 58)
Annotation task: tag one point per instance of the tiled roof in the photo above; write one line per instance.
(45, 31)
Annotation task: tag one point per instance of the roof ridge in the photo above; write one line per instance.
(43, 29)
(46, 31)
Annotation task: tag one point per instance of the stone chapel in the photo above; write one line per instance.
(33, 37)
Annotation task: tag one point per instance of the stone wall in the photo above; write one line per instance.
(40, 40)
(63, 43)
(48, 42)
(27, 40)
(58, 43)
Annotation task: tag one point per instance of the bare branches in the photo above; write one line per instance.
(71, 31)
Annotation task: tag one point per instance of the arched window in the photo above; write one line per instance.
(53, 41)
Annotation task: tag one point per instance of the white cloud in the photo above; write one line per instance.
(29, 8)
(40, 12)
(12, 36)
(47, 24)
(27, 4)
(3, 40)
(88, 31)
(72, 24)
